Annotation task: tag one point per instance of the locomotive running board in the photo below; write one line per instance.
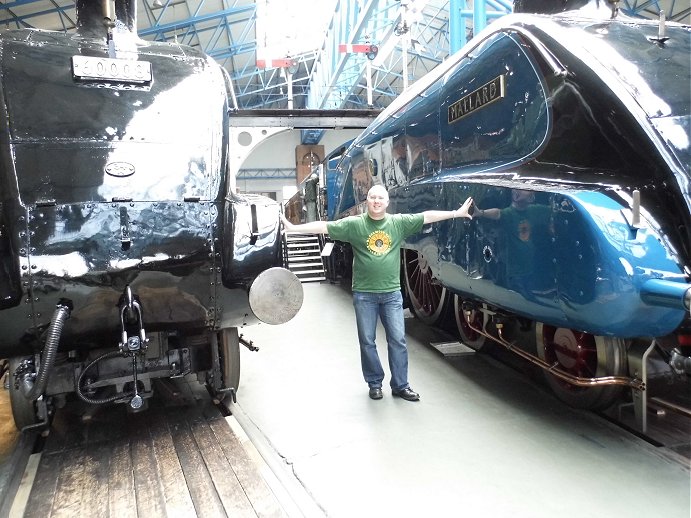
(452, 348)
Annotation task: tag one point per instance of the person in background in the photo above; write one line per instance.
(376, 239)
(526, 228)
(310, 198)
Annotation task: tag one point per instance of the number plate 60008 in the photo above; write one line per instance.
(109, 69)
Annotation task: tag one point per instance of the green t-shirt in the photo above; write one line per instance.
(376, 248)
(526, 230)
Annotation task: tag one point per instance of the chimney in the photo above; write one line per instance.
(99, 18)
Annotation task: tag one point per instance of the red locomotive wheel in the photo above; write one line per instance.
(468, 335)
(583, 355)
(427, 296)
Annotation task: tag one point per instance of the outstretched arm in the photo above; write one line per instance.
(313, 227)
(488, 213)
(432, 216)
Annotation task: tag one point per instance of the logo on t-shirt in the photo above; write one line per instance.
(524, 230)
(379, 242)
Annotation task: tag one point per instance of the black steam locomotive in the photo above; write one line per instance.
(126, 255)
(571, 131)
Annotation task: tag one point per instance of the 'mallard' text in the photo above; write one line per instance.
(483, 96)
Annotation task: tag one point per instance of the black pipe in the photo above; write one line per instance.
(102, 401)
(32, 389)
(90, 15)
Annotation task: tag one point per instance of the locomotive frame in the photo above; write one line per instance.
(126, 255)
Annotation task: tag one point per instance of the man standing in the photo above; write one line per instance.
(376, 238)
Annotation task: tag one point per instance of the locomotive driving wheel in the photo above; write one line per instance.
(583, 355)
(427, 297)
(468, 335)
(23, 409)
(229, 356)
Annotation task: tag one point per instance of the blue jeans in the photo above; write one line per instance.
(389, 307)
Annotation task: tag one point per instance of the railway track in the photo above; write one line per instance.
(668, 426)
(668, 420)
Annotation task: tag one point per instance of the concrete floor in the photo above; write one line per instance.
(484, 441)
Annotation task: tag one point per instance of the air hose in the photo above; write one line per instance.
(102, 401)
(32, 389)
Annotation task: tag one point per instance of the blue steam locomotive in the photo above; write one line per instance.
(126, 257)
(571, 132)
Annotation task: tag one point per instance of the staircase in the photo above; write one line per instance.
(303, 257)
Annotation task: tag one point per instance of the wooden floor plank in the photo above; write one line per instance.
(199, 482)
(164, 462)
(121, 499)
(68, 491)
(147, 485)
(178, 502)
(225, 481)
(95, 483)
(40, 501)
(259, 493)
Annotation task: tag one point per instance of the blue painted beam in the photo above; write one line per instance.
(62, 11)
(157, 29)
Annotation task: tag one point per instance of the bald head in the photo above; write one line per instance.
(378, 190)
(377, 201)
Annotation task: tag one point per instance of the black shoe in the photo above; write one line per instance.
(375, 393)
(407, 394)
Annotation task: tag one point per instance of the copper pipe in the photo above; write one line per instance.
(552, 369)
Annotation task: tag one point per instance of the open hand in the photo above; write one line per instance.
(464, 210)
